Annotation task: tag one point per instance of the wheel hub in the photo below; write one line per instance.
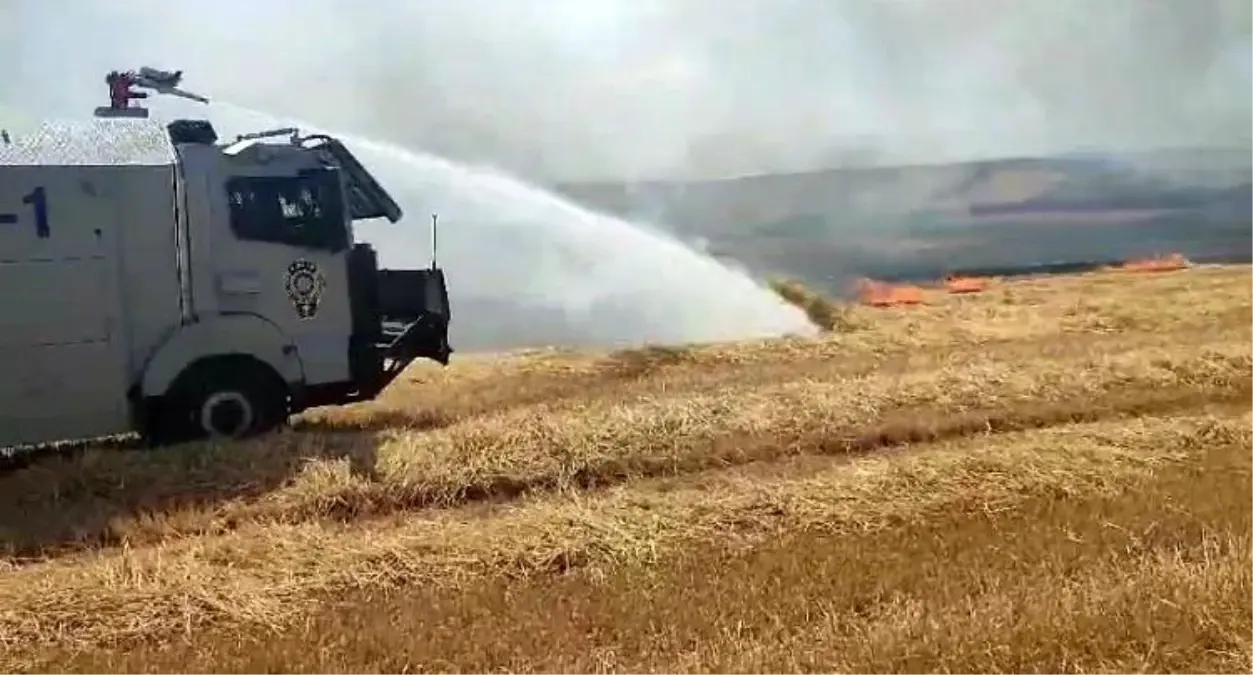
(226, 414)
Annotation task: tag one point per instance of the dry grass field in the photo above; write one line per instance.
(1052, 475)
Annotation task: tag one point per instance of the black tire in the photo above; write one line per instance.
(224, 398)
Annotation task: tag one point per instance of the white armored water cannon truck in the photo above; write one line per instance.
(155, 280)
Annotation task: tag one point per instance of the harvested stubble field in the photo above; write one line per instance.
(1053, 475)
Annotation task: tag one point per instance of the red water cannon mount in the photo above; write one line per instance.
(124, 87)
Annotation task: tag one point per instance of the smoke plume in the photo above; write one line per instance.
(626, 89)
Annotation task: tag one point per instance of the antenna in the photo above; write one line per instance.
(434, 240)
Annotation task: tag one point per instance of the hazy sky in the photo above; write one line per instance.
(628, 88)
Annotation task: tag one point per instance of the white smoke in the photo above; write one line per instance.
(619, 89)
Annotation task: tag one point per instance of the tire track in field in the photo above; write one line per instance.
(111, 499)
(897, 430)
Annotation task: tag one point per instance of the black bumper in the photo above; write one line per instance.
(398, 316)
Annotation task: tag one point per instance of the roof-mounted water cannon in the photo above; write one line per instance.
(123, 85)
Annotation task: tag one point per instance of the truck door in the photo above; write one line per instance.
(284, 257)
(63, 352)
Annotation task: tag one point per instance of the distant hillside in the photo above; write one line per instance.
(919, 221)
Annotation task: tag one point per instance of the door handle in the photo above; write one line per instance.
(239, 282)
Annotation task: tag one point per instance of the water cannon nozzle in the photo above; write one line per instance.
(123, 85)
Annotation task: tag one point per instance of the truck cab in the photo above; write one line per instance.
(164, 282)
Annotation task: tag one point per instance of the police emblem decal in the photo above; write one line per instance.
(305, 282)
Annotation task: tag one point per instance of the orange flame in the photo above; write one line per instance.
(1169, 263)
(956, 284)
(878, 294)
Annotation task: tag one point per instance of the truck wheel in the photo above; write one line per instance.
(223, 400)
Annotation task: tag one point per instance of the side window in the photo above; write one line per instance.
(305, 210)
